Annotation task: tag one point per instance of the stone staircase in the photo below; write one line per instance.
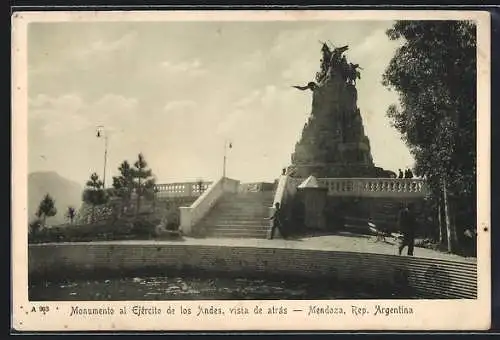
(239, 215)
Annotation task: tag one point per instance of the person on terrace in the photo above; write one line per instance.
(407, 223)
(276, 218)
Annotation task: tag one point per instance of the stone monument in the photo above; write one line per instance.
(333, 142)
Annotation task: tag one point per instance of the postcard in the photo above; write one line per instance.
(256, 170)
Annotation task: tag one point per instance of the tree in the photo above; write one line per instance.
(123, 185)
(94, 193)
(46, 208)
(71, 214)
(434, 72)
(144, 182)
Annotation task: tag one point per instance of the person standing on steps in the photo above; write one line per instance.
(276, 218)
(407, 223)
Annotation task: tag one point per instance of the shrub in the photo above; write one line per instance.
(35, 226)
(120, 227)
(99, 231)
(145, 225)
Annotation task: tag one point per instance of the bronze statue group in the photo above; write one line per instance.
(333, 61)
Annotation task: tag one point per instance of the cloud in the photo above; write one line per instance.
(68, 113)
(192, 67)
(253, 61)
(229, 122)
(248, 99)
(102, 48)
(113, 106)
(238, 111)
(176, 120)
(297, 40)
(300, 70)
(60, 55)
(43, 69)
(180, 106)
(262, 108)
(58, 115)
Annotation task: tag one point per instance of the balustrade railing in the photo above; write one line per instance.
(336, 187)
(372, 187)
(184, 189)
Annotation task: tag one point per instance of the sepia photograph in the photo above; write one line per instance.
(249, 157)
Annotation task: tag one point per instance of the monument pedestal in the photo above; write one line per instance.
(314, 200)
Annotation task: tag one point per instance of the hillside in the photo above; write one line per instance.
(64, 191)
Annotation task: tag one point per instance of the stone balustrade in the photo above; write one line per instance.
(374, 187)
(369, 187)
(184, 189)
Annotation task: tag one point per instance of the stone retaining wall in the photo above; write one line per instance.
(424, 277)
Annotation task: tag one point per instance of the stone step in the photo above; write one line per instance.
(237, 208)
(248, 197)
(235, 225)
(236, 201)
(243, 222)
(237, 233)
(240, 215)
(235, 229)
(242, 207)
(239, 226)
(236, 214)
(252, 194)
(259, 237)
(240, 218)
(218, 224)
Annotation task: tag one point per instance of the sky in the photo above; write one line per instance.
(176, 91)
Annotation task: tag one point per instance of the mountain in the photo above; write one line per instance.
(64, 191)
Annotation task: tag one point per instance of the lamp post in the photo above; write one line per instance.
(227, 145)
(101, 133)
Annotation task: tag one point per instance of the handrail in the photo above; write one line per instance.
(190, 216)
(285, 189)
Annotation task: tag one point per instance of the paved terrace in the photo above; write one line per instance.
(342, 242)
